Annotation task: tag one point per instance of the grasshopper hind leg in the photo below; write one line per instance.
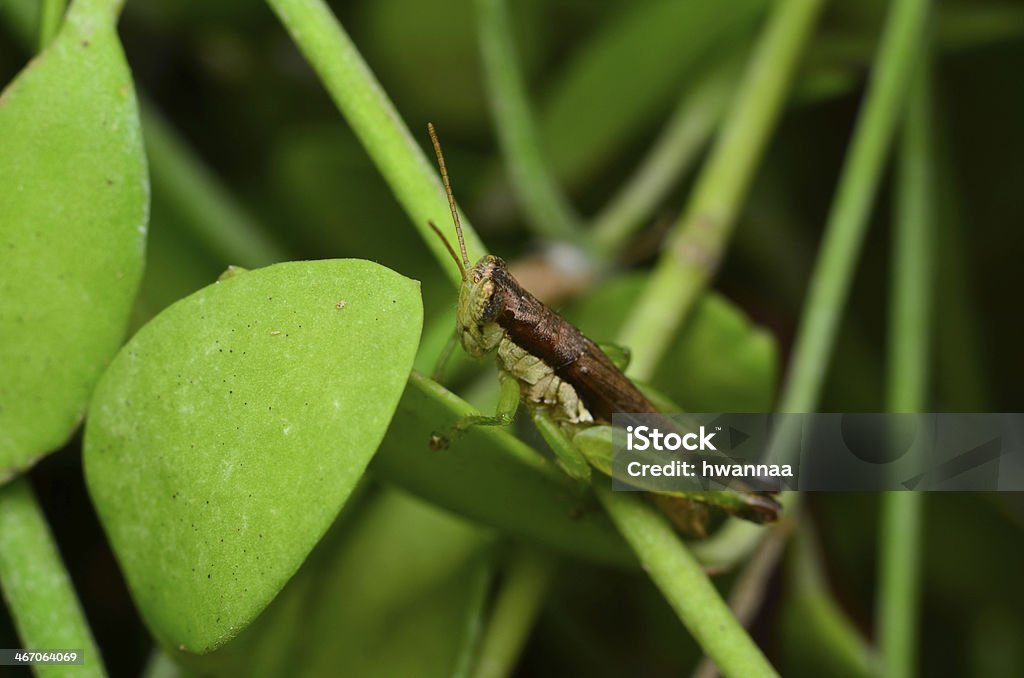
(691, 512)
(757, 507)
(688, 516)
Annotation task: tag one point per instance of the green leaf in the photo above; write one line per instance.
(396, 588)
(720, 362)
(74, 198)
(489, 475)
(228, 433)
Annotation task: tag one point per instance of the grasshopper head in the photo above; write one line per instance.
(478, 309)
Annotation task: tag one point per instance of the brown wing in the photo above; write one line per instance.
(602, 387)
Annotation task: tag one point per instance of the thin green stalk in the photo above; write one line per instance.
(226, 230)
(748, 591)
(910, 311)
(372, 116)
(847, 222)
(909, 352)
(50, 16)
(730, 544)
(698, 241)
(36, 587)
(899, 582)
(823, 619)
(676, 149)
(684, 585)
(518, 604)
(546, 206)
(479, 585)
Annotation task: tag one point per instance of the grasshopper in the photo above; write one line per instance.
(570, 386)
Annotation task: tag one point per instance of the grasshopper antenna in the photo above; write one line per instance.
(455, 257)
(464, 265)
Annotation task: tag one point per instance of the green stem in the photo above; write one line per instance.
(910, 312)
(748, 591)
(226, 230)
(698, 241)
(50, 17)
(518, 604)
(730, 544)
(480, 585)
(36, 587)
(909, 351)
(676, 149)
(546, 206)
(823, 619)
(847, 222)
(899, 581)
(373, 118)
(684, 585)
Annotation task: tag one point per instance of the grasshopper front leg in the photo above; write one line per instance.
(508, 404)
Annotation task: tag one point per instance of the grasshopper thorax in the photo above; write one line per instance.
(476, 316)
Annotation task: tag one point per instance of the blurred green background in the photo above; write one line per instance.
(603, 78)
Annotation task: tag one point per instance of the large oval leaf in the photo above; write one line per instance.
(227, 434)
(74, 199)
